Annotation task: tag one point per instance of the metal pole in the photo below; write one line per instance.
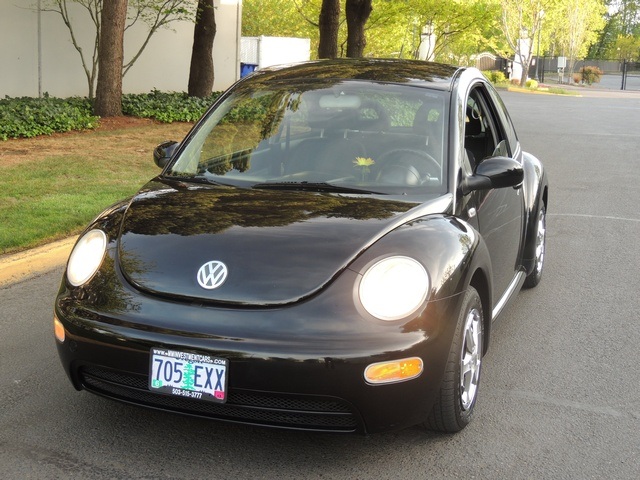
(541, 14)
(538, 56)
(624, 74)
(39, 49)
(238, 38)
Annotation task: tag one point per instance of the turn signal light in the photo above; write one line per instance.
(58, 329)
(396, 371)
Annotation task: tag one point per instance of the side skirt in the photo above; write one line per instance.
(512, 289)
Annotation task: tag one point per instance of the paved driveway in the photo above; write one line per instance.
(559, 395)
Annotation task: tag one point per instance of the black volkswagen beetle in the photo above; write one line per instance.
(325, 250)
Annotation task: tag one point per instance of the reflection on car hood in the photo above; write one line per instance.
(278, 247)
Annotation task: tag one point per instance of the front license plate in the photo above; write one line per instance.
(188, 375)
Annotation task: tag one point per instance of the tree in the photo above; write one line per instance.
(297, 18)
(110, 54)
(628, 15)
(357, 13)
(570, 26)
(328, 27)
(201, 73)
(393, 28)
(520, 23)
(93, 8)
(621, 30)
(454, 30)
(154, 13)
(627, 47)
(582, 20)
(606, 39)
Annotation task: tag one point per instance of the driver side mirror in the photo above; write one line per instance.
(163, 153)
(494, 172)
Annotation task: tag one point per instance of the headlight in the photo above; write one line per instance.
(86, 257)
(394, 288)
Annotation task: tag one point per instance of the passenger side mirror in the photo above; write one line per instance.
(494, 172)
(163, 153)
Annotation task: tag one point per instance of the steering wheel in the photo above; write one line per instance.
(411, 158)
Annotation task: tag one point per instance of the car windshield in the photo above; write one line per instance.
(342, 136)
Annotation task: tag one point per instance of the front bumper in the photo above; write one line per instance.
(297, 367)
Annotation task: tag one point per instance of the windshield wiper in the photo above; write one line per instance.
(204, 179)
(313, 187)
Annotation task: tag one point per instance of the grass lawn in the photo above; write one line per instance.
(51, 187)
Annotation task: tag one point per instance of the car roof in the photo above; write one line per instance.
(399, 71)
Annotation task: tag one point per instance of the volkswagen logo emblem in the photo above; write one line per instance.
(212, 274)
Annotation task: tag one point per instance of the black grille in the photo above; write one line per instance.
(259, 408)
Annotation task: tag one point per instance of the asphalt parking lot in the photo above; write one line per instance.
(559, 391)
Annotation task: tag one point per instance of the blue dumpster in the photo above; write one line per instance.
(247, 68)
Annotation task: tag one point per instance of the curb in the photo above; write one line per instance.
(578, 92)
(533, 92)
(24, 265)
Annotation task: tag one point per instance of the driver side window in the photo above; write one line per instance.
(480, 135)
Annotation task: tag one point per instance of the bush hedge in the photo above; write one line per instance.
(29, 117)
(590, 74)
(166, 107)
(495, 76)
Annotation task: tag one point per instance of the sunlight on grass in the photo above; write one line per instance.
(47, 197)
(59, 198)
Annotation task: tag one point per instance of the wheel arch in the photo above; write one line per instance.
(536, 188)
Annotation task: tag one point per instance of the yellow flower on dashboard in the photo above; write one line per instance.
(364, 162)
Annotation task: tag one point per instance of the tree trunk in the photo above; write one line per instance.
(329, 22)
(525, 62)
(201, 74)
(110, 55)
(357, 12)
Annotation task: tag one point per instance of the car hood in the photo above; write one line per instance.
(278, 247)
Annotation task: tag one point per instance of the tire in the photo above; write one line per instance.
(535, 276)
(459, 390)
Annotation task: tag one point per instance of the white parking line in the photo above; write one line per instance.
(584, 215)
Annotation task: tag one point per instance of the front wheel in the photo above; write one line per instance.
(459, 390)
(534, 277)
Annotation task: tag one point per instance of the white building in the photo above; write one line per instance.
(270, 51)
(37, 56)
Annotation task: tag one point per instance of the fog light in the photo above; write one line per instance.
(396, 371)
(58, 329)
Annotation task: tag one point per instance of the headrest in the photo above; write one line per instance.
(427, 117)
(372, 117)
(473, 124)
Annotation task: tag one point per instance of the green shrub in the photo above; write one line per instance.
(166, 107)
(30, 117)
(590, 75)
(531, 84)
(495, 76)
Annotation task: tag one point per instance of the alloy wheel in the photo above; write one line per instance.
(470, 359)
